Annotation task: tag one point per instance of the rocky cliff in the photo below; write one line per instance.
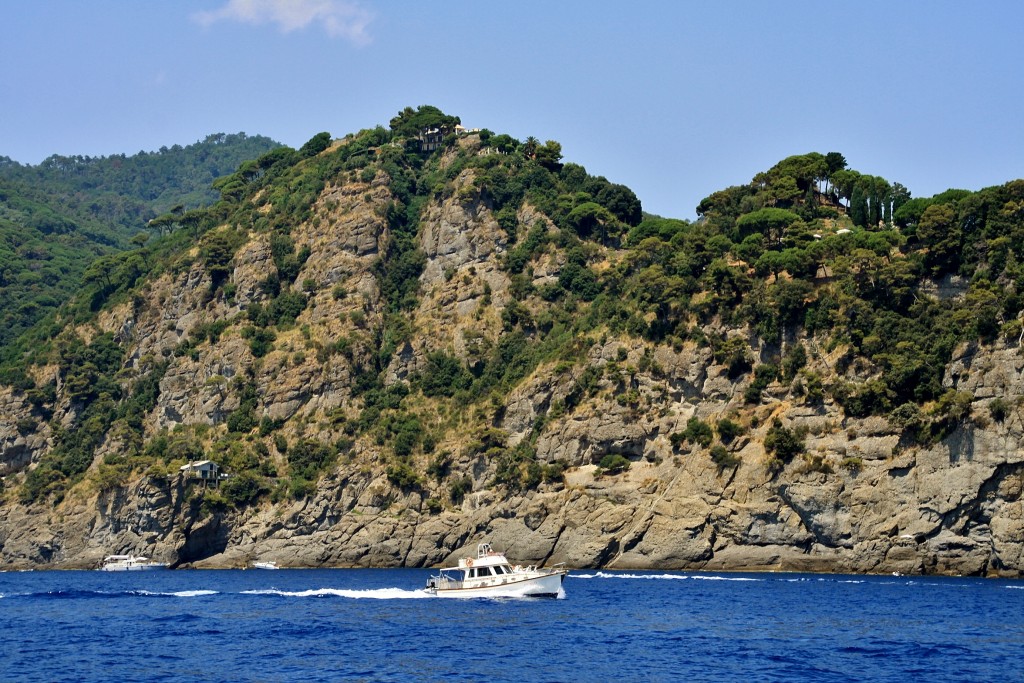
(856, 494)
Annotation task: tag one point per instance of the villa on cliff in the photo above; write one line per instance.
(432, 138)
(205, 471)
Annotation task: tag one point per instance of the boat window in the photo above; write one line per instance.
(485, 571)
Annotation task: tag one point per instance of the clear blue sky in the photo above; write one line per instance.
(674, 99)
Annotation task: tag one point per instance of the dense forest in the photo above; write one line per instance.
(808, 258)
(60, 215)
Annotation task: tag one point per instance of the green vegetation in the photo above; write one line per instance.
(809, 260)
(58, 217)
(783, 444)
(722, 457)
(728, 430)
(697, 433)
(613, 463)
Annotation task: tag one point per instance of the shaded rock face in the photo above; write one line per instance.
(22, 434)
(862, 497)
(140, 519)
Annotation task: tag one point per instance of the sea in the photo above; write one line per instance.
(377, 625)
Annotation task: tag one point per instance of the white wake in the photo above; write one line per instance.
(661, 577)
(370, 593)
(179, 594)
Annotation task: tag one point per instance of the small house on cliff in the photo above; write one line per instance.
(432, 138)
(204, 470)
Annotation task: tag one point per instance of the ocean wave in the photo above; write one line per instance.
(662, 577)
(89, 594)
(370, 593)
(72, 594)
(175, 594)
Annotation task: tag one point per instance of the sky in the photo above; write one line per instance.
(674, 99)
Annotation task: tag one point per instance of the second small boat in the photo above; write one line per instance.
(489, 575)
(265, 565)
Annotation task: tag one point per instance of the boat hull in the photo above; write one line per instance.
(133, 568)
(545, 585)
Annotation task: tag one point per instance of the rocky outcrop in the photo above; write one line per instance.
(909, 514)
(22, 434)
(862, 497)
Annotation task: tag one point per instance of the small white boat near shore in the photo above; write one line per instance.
(129, 563)
(489, 575)
(265, 565)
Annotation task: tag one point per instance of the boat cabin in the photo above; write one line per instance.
(486, 572)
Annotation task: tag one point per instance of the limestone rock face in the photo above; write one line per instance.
(252, 263)
(585, 440)
(22, 434)
(863, 496)
(197, 392)
(462, 283)
(352, 226)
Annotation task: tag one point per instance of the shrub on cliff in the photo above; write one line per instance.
(308, 459)
(698, 432)
(244, 489)
(459, 488)
(723, 457)
(999, 409)
(443, 375)
(403, 476)
(782, 442)
(728, 430)
(613, 463)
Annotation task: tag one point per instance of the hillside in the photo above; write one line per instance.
(59, 216)
(396, 344)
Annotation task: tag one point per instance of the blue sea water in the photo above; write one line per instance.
(376, 625)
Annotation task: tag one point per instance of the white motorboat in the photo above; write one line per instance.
(265, 565)
(489, 575)
(129, 563)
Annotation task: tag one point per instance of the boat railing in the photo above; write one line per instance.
(444, 582)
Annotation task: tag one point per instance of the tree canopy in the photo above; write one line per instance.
(410, 122)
